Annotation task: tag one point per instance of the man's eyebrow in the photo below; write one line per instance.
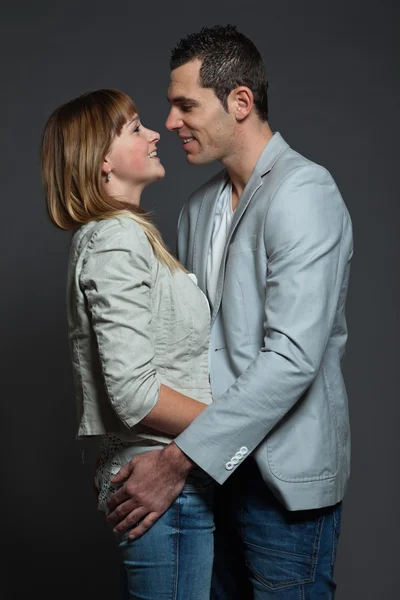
(182, 99)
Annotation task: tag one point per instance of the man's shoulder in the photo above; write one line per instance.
(291, 162)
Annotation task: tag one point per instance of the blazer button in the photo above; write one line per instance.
(244, 450)
(235, 460)
(229, 466)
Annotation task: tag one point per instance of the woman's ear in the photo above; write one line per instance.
(106, 167)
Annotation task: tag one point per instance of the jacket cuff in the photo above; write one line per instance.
(210, 459)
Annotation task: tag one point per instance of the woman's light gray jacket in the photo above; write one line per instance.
(132, 326)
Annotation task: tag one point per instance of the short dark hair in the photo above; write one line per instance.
(229, 59)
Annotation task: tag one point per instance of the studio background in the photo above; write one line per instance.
(334, 96)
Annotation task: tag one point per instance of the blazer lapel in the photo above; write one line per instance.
(254, 183)
(272, 151)
(202, 237)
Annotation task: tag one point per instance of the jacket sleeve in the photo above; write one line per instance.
(116, 281)
(308, 243)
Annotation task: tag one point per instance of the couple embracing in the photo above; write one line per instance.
(213, 379)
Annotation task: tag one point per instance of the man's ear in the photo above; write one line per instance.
(241, 102)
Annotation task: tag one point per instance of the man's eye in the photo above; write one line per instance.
(186, 107)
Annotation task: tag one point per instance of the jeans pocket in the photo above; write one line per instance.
(289, 556)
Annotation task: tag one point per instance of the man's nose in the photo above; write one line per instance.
(173, 121)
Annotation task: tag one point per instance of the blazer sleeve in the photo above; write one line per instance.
(308, 243)
(116, 281)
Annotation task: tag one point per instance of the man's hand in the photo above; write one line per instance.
(152, 481)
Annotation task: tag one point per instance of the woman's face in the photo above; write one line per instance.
(133, 161)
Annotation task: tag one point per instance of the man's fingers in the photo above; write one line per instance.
(123, 473)
(144, 525)
(130, 521)
(121, 511)
(125, 492)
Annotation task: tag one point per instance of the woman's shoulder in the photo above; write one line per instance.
(117, 233)
(120, 225)
(120, 229)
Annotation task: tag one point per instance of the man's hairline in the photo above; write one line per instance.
(183, 99)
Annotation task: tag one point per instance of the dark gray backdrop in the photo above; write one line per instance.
(334, 95)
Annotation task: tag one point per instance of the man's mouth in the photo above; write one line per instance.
(187, 140)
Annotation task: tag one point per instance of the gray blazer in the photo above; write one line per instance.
(278, 330)
(132, 326)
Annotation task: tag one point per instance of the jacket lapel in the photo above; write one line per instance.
(254, 183)
(202, 237)
(272, 151)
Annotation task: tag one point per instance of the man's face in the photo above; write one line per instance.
(201, 122)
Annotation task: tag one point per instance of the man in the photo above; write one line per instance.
(270, 241)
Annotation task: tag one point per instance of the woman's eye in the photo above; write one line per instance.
(137, 129)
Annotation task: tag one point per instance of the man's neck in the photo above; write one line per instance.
(240, 164)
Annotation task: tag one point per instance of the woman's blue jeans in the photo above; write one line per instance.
(174, 559)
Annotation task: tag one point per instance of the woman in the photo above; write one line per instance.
(138, 327)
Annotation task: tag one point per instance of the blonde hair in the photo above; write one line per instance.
(77, 137)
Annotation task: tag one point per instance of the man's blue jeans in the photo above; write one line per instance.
(174, 559)
(265, 552)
